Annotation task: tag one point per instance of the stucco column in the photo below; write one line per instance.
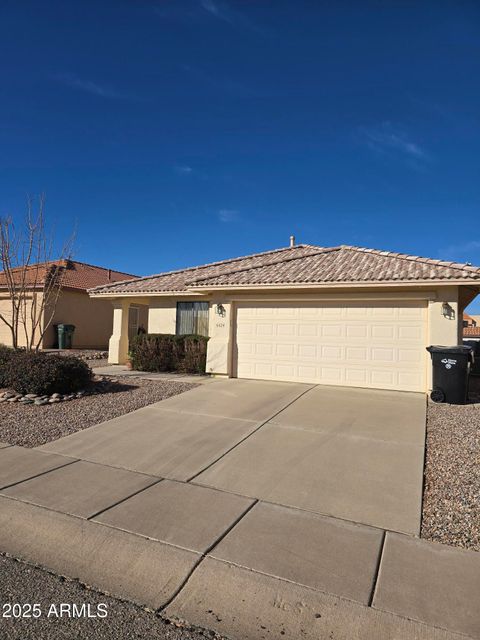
(220, 333)
(118, 344)
(444, 323)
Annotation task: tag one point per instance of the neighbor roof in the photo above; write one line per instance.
(471, 332)
(75, 275)
(300, 265)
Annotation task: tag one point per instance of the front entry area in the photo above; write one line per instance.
(378, 345)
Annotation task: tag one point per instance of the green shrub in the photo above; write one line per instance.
(44, 374)
(6, 355)
(195, 354)
(166, 352)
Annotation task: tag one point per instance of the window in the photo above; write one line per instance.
(192, 318)
(132, 322)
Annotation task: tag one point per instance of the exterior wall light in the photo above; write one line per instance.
(220, 310)
(448, 311)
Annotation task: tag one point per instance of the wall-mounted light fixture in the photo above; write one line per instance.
(220, 310)
(448, 311)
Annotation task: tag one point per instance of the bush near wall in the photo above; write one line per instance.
(6, 354)
(41, 373)
(166, 352)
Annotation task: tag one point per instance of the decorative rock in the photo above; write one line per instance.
(41, 402)
(31, 395)
(54, 400)
(56, 395)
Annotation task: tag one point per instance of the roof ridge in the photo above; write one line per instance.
(411, 258)
(96, 266)
(208, 264)
(268, 264)
(65, 261)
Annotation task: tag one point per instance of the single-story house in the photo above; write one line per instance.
(92, 319)
(340, 316)
(469, 321)
(471, 333)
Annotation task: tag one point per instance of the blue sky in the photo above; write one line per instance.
(176, 133)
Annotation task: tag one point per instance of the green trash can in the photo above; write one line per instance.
(65, 335)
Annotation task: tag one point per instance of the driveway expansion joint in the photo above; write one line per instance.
(131, 495)
(262, 424)
(205, 554)
(38, 475)
(377, 570)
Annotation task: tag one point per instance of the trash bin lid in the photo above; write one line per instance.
(459, 349)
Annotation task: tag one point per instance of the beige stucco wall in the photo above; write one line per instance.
(93, 320)
(220, 357)
(443, 330)
(162, 315)
(440, 330)
(222, 339)
(5, 310)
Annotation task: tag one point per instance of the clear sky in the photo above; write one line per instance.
(176, 133)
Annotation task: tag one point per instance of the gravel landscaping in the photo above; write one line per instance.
(451, 501)
(22, 583)
(29, 425)
(93, 357)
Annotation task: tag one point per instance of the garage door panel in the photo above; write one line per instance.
(308, 329)
(356, 331)
(374, 346)
(288, 329)
(410, 355)
(409, 332)
(356, 354)
(356, 376)
(385, 331)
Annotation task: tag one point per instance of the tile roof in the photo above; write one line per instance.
(301, 265)
(75, 275)
(471, 332)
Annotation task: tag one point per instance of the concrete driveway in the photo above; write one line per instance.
(351, 453)
(254, 508)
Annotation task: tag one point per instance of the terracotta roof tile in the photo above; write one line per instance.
(302, 265)
(176, 281)
(471, 332)
(75, 275)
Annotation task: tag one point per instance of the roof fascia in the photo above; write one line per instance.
(338, 285)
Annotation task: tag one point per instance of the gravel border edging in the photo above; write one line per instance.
(28, 425)
(451, 494)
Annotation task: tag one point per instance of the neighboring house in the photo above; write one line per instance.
(471, 328)
(340, 316)
(469, 321)
(471, 333)
(92, 318)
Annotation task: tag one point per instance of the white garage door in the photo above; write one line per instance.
(379, 345)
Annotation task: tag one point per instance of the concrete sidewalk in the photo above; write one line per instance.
(239, 566)
(353, 454)
(121, 371)
(125, 507)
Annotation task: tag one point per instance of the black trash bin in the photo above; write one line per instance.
(475, 368)
(451, 370)
(65, 335)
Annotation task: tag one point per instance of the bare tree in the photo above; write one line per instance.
(32, 275)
